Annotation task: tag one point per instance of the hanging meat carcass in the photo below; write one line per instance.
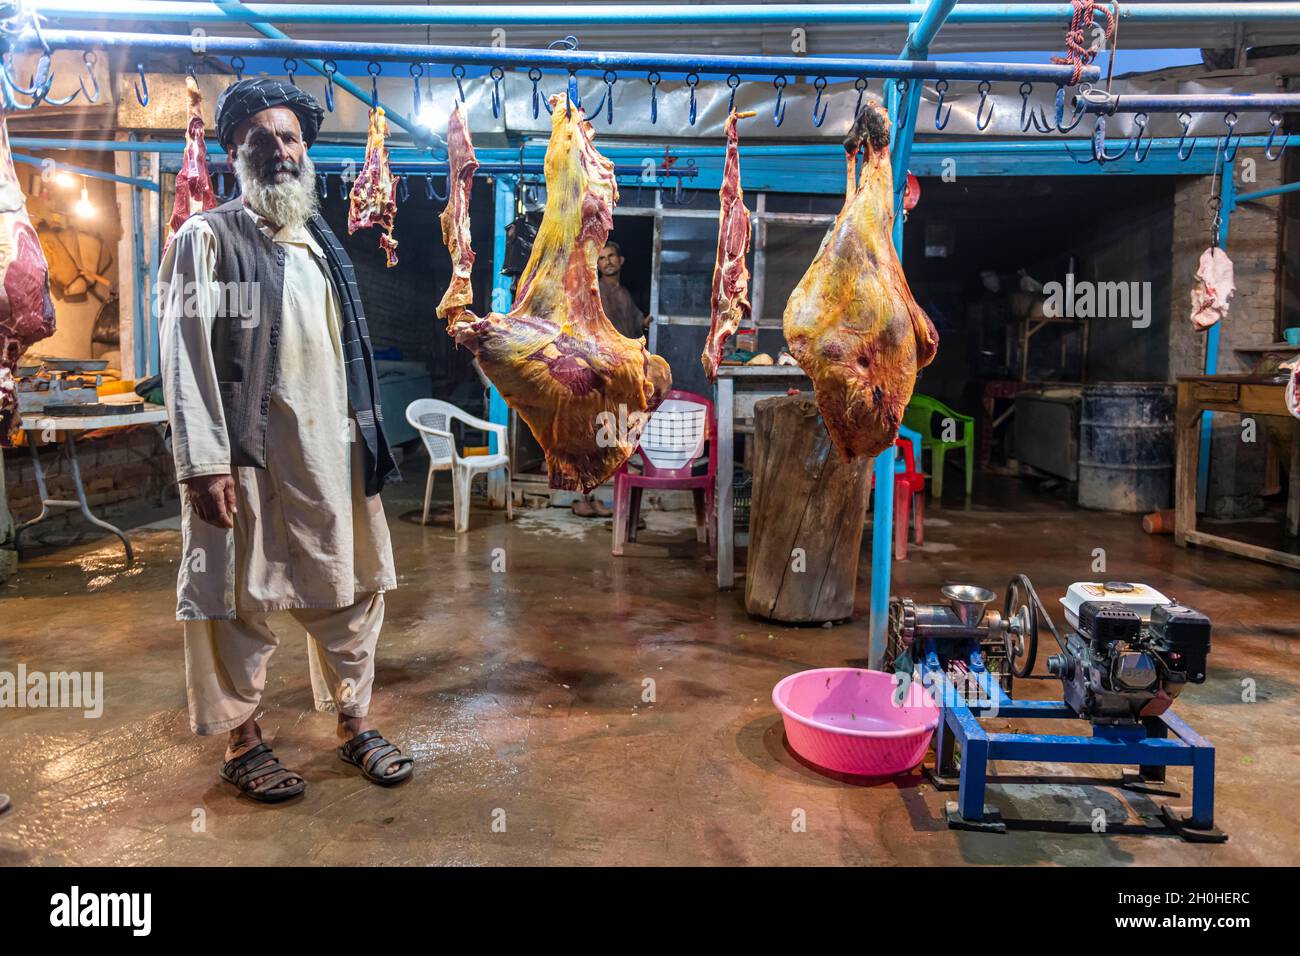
(26, 309)
(852, 323)
(1212, 289)
(193, 186)
(729, 300)
(584, 389)
(372, 201)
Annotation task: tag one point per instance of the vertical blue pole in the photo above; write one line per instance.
(141, 306)
(498, 411)
(1228, 200)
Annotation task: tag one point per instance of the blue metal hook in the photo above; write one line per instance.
(433, 194)
(733, 81)
(374, 69)
(1140, 122)
(572, 97)
(607, 101)
(290, 68)
(458, 72)
(1079, 111)
(329, 68)
(902, 86)
(1275, 120)
(1230, 120)
(860, 84)
(819, 85)
(237, 64)
(324, 183)
(983, 88)
(1099, 143)
(1186, 120)
(1029, 114)
(653, 79)
(497, 75)
(417, 99)
(401, 189)
(692, 80)
(940, 117)
(142, 98)
(778, 110)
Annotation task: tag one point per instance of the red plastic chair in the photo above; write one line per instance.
(670, 443)
(909, 496)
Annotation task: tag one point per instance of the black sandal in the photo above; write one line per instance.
(373, 755)
(241, 771)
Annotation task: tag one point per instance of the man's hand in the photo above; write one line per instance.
(213, 498)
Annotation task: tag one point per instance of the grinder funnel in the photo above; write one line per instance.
(967, 602)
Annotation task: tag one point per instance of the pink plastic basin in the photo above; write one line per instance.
(845, 719)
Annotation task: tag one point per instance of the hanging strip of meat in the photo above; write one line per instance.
(730, 296)
(1212, 289)
(26, 309)
(372, 201)
(193, 186)
(584, 389)
(852, 323)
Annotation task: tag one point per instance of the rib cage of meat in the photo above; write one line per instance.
(26, 309)
(851, 322)
(583, 388)
(371, 201)
(193, 186)
(729, 299)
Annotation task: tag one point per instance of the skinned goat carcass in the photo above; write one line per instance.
(584, 389)
(372, 201)
(26, 309)
(851, 322)
(193, 186)
(729, 299)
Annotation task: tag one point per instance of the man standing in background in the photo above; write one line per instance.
(614, 297)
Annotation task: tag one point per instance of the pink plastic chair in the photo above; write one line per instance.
(672, 439)
(909, 497)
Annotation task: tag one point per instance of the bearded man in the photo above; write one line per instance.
(279, 443)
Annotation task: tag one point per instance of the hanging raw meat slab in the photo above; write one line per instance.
(193, 186)
(583, 388)
(730, 296)
(371, 202)
(1212, 289)
(26, 309)
(852, 323)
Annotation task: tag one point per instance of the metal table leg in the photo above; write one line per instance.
(70, 448)
(724, 406)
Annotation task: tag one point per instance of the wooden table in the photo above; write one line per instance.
(34, 423)
(735, 391)
(1241, 395)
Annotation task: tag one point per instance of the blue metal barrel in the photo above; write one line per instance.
(1126, 446)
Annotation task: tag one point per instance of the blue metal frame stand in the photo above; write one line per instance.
(1157, 743)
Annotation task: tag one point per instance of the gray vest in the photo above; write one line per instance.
(245, 348)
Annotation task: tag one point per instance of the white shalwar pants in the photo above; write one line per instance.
(226, 661)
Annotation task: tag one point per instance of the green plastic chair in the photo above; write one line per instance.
(926, 415)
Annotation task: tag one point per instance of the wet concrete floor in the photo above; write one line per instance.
(516, 664)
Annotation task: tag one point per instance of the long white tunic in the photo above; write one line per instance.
(305, 535)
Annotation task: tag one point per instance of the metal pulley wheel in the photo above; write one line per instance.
(1021, 614)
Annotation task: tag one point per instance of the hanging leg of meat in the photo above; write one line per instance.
(852, 323)
(26, 309)
(584, 389)
(372, 201)
(193, 186)
(730, 296)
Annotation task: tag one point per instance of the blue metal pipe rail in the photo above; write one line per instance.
(663, 14)
(88, 172)
(563, 59)
(1097, 101)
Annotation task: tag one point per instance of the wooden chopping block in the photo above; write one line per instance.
(806, 517)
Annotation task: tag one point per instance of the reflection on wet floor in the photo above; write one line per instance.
(566, 706)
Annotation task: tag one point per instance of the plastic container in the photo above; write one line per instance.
(844, 719)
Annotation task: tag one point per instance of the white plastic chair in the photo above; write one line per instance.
(432, 418)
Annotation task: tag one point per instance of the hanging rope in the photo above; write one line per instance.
(1076, 53)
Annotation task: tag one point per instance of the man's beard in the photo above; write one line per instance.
(288, 204)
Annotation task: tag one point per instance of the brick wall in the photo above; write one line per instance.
(1236, 467)
(117, 466)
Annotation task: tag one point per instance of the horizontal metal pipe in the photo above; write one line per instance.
(506, 14)
(1265, 193)
(86, 171)
(561, 59)
(328, 151)
(1096, 101)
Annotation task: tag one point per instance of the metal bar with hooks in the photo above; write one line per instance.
(1098, 101)
(565, 59)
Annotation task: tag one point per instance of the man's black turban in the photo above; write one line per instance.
(250, 96)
